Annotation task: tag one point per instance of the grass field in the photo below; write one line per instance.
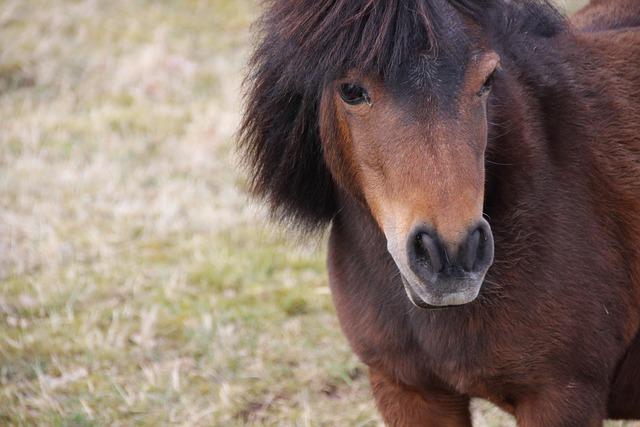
(138, 284)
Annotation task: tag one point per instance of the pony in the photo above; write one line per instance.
(478, 164)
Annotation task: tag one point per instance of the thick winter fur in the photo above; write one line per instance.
(553, 336)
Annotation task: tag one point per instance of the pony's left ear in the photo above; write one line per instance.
(280, 141)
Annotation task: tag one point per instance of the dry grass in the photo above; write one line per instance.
(138, 286)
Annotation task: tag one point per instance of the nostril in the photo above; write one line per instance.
(428, 251)
(472, 250)
(477, 252)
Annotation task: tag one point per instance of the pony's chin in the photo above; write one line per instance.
(421, 297)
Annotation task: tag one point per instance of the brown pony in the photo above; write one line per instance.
(410, 126)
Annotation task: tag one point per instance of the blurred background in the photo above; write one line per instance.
(139, 285)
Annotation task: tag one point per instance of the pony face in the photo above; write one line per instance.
(417, 161)
(385, 102)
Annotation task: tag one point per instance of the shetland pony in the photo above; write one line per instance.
(479, 165)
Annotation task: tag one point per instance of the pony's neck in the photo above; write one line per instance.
(539, 153)
(545, 113)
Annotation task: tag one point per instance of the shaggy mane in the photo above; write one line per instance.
(304, 44)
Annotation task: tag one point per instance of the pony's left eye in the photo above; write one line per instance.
(488, 83)
(353, 94)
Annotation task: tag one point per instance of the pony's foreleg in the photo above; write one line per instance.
(564, 405)
(401, 406)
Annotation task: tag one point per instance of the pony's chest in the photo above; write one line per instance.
(471, 365)
(388, 340)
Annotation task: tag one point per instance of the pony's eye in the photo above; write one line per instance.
(353, 94)
(486, 86)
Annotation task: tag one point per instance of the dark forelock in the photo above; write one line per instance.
(303, 44)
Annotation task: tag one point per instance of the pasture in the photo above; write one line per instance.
(139, 284)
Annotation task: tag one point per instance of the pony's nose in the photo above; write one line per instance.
(429, 258)
(476, 253)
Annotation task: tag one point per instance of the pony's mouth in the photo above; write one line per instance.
(444, 294)
(416, 300)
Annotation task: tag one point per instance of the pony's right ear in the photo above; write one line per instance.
(280, 140)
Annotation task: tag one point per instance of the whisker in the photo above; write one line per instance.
(498, 163)
(491, 282)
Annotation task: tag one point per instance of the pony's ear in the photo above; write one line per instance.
(280, 141)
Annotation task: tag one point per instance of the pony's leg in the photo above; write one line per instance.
(401, 406)
(568, 405)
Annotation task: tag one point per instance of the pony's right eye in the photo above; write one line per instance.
(353, 94)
